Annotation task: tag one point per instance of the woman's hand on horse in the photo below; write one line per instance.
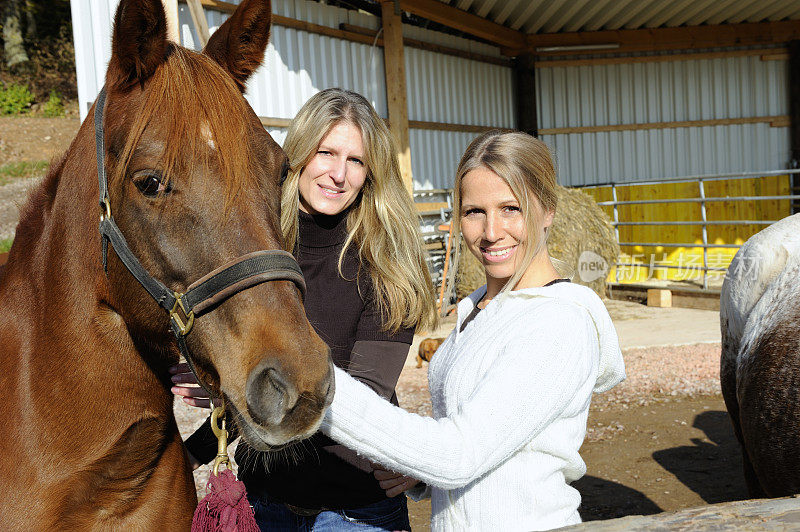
(393, 483)
(187, 388)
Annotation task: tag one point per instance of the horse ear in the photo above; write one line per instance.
(139, 43)
(238, 45)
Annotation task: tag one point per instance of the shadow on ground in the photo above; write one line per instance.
(604, 499)
(712, 469)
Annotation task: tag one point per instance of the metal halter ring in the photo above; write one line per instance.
(183, 327)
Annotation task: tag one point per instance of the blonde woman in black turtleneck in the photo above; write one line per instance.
(352, 225)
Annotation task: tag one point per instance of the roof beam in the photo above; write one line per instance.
(679, 38)
(468, 23)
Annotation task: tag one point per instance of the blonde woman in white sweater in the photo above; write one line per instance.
(511, 385)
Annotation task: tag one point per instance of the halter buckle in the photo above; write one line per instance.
(183, 326)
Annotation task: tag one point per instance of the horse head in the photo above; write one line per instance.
(194, 184)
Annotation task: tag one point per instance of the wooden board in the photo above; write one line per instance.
(394, 61)
(462, 20)
(674, 38)
(173, 26)
(431, 206)
(773, 121)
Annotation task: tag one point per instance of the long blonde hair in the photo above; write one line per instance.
(525, 164)
(383, 222)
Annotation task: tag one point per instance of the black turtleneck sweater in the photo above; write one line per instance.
(319, 473)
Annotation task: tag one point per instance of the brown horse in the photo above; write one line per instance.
(760, 365)
(89, 437)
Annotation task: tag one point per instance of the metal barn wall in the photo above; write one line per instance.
(91, 31)
(441, 88)
(452, 90)
(600, 95)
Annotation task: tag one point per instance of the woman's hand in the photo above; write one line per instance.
(187, 388)
(393, 483)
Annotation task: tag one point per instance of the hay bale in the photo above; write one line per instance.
(581, 240)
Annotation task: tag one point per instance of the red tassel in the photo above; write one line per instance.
(225, 507)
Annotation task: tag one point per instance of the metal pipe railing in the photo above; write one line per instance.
(707, 222)
(697, 200)
(679, 245)
(689, 178)
(703, 223)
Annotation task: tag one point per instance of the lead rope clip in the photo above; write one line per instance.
(218, 426)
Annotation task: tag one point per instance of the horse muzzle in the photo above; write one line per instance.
(282, 409)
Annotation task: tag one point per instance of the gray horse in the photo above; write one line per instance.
(760, 364)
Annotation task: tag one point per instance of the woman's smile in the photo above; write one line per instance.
(498, 254)
(330, 192)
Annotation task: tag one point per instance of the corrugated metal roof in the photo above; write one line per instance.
(558, 16)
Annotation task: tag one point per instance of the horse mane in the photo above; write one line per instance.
(196, 102)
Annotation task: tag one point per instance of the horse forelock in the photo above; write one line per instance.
(200, 112)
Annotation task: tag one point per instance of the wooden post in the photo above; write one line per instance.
(794, 118)
(199, 20)
(173, 26)
(525, 88)
(394, 66)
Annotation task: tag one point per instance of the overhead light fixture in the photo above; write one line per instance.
(578, 47)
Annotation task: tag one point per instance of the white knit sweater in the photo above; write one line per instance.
(510, 400)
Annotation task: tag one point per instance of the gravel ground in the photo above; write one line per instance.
(12, 198)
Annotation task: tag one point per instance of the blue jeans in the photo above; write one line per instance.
(389, 514)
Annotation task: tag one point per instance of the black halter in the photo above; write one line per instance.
(227, 280)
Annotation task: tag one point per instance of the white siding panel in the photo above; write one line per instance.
(91, 23)
(705, 89)
(646, 155)
(454, 90)
(440, 152)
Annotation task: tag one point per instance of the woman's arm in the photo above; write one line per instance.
(530, 384)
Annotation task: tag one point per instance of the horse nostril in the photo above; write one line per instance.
(277, 380)
(269, 395)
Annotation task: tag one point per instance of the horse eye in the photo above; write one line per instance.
(151, 185)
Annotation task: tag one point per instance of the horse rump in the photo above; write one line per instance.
(760, 363)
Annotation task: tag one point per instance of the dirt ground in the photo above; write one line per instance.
(36, 138)
(660, 441)
(31, 139)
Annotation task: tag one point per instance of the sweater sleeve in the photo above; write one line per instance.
(533, 380)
